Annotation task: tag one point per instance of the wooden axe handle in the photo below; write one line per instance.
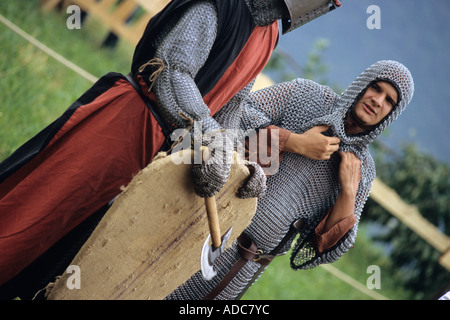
(211, 210)
(213, 221)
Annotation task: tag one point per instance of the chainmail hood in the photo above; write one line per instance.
(294, 13)
(391, 71)
(265, 12)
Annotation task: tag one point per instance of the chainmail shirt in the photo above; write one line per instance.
(304, 188)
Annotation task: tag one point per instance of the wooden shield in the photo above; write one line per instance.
(150, 240)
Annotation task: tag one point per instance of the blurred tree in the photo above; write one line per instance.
(283, 67)
(423, 181)
(315, 68)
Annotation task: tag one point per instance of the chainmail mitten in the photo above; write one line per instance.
(211, 175)
(255, 186)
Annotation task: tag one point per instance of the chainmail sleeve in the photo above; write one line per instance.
(229, 116)
(283, 105)
(266, 106)
(184, 48)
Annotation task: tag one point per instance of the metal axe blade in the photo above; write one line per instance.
(209, 254)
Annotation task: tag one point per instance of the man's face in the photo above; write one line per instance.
(376, 103)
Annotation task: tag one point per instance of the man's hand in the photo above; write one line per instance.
(313, 144)
(349, 173)
(210, 176)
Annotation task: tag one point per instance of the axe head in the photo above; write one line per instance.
(209, 254)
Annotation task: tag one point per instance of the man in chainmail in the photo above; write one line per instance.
(305, 196)
(194, 59)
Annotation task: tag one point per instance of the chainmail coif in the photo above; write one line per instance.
(265, 12)
(304, 188)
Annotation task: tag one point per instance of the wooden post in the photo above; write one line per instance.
(444, 259)
(410, 216)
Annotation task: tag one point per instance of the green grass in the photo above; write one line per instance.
(35, 89)
(279, 281)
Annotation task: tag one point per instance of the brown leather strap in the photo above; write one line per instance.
(249, 251)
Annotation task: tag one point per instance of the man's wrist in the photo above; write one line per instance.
(294, 143)
(348, 192)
